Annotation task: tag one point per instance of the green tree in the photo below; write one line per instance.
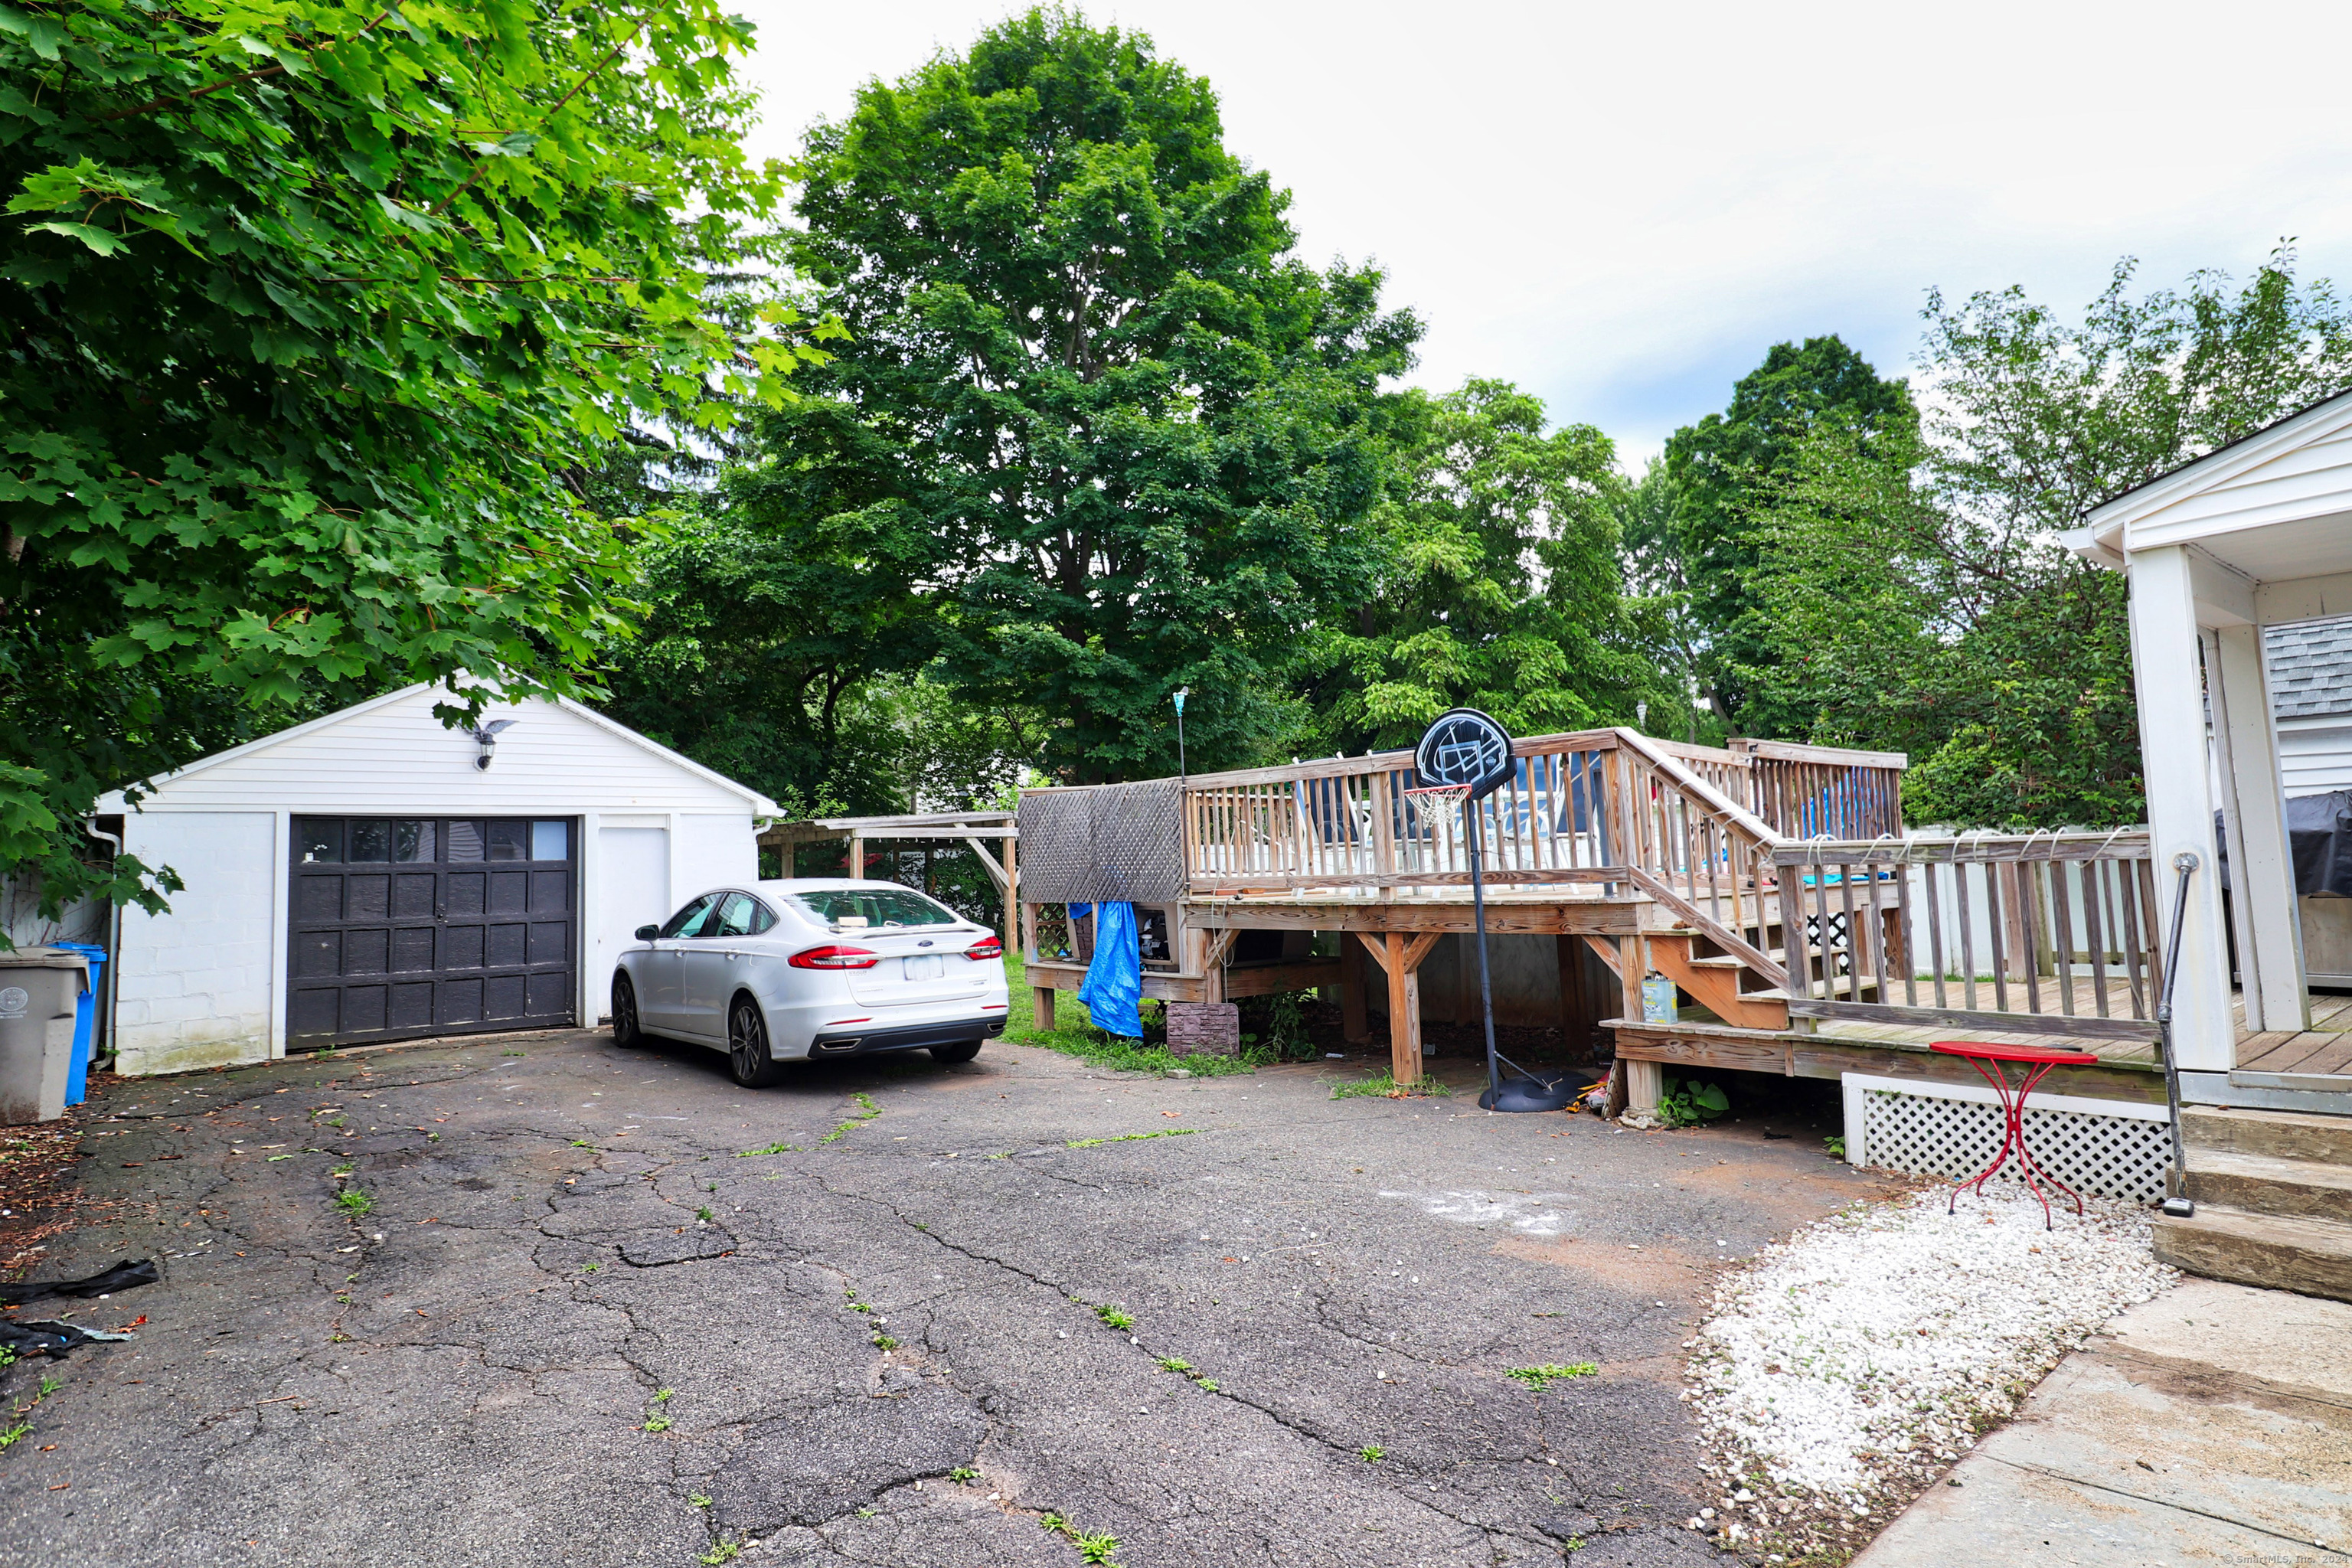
(1720, 471)
(318, 318)
(1500, 583)
(1914, 585)
(1141, 434)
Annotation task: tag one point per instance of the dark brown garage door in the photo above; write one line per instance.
(407, 926)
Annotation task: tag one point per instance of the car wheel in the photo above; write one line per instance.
(747, 1045)
(627, 1032)
(962, 1051)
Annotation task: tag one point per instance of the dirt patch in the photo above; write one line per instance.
(1651, 1269)
(39, 1191)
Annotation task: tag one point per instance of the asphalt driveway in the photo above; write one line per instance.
(576, 1323)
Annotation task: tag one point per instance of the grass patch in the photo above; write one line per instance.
(867, 1110)
(1542, 1377)
(1075, 1035)
(1383, 1086)
(1130, 1137)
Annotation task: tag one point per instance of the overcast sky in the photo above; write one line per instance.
(1622, 206)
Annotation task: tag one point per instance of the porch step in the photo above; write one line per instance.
(2282, 1135)
(2270, 1185)
(2313, 1257)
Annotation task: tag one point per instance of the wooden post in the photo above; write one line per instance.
(1630, 970)
(1644, 1085)
(1401, 957)
(1404, 1013)
(857, 871)
(1043, 997)
(1012, 896)
(1355, 1023)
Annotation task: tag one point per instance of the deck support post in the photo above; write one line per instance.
(1400, 957)
(1644, 1085)
(857, 868)
(1355, 1023)
(1044, 998)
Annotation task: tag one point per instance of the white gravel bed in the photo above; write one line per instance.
(1867, 1352)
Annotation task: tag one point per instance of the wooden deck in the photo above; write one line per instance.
(2323, 1050)
(1702, 1042)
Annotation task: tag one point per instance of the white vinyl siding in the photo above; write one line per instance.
(395, 756)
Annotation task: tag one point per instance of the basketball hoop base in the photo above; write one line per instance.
(1530, 1094)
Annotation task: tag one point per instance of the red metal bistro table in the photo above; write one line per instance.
(1992, 1062)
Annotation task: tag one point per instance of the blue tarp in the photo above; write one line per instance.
(1114, 983)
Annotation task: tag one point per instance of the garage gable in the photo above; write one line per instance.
(391, 755)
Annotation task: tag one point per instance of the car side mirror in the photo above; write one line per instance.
(647, 933)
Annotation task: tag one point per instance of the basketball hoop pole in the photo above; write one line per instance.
(1486, 991)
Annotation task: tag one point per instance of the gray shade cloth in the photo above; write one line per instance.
(1115, 842)
(2319, 840)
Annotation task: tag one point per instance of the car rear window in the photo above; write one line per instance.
(877, 908)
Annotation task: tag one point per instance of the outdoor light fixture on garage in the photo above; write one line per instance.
(487, 737)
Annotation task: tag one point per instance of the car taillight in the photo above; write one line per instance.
(987, 947)
(834, 956)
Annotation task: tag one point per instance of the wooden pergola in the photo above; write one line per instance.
(974, 827)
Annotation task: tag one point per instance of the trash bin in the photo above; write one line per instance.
(85, 1019)
(40, 991)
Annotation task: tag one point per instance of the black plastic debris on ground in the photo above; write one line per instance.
(124, 1275)
(50, 1339)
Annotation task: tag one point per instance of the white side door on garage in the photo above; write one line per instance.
(633, 889)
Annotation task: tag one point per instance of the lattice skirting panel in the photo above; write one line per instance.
(2114, 1148)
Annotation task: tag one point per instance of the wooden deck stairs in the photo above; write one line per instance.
(2273, 1192)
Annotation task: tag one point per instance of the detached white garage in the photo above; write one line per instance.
(365, 878)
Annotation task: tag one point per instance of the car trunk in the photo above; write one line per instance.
(915, 966)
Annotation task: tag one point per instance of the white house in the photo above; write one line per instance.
(365, 877)
(2220, 552)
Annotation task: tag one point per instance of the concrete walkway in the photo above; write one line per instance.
(2212, 1425)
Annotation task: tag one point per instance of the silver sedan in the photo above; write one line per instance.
(795, 970)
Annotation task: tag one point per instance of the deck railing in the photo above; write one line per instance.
(2052, 933)
(1595, 813)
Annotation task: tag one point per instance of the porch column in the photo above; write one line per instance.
(2262, 871)
(2167, 670)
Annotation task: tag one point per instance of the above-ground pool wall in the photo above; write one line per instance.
(1523, 971)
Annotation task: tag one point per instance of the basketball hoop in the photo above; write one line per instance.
(1446, 803)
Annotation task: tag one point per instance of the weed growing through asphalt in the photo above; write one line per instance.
(1183, 1368)
(1096, 1549)
(1542, 1377)
(1836, 1146)
(725, 1551)
(340, 1172)
(963, 1475)
(1116, 1316)
(886, 1342)
(1371, 1453)
(10, 1436)
(590, 1268)
(1130, 1138)
(771, 1149)
(581, 1144)
(704, 1215)
(354, 1203)
(699, 1499)
(1383, 1086)
(868, 1111)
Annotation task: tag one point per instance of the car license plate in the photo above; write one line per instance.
(930, 966)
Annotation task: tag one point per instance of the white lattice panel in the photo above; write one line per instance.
(2113, 1148)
